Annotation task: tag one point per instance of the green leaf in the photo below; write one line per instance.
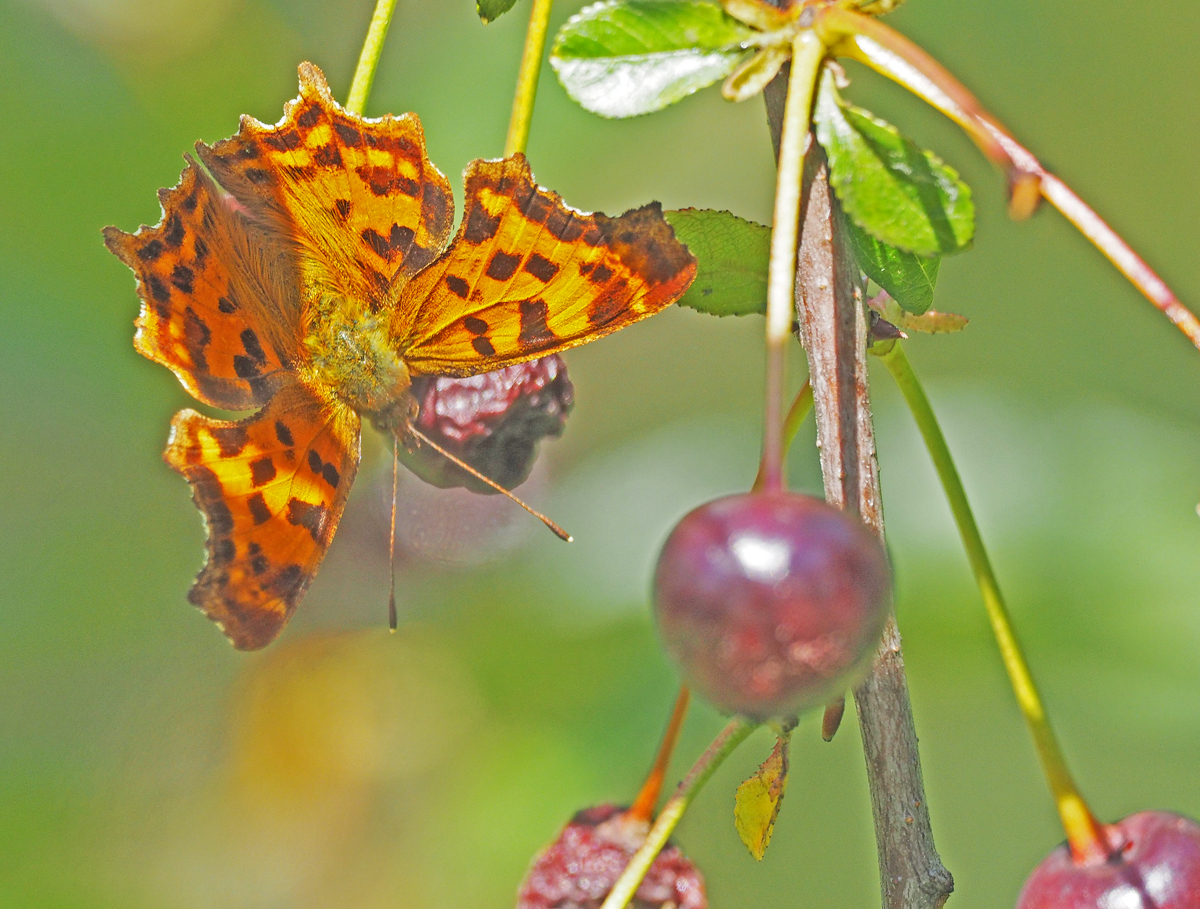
(757, 802)
(621, 58)
(732, 255)
(893, 189)
(909, 278)
(490, 10)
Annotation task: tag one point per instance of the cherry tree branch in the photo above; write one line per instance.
(833, 330)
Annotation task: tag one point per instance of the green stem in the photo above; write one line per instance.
(368, 60)
(800, 408)
(801, 405)
(527, 78)
(635, 872)
(1084, 832)
(807, 54)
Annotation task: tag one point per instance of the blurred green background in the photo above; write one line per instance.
(143, 762)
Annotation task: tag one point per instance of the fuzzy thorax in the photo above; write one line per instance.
(350, 351)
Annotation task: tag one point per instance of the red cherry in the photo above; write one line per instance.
(492, 421)
(771, 603)
(1155, 865)
(578, 869)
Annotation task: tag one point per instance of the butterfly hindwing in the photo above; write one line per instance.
(218, 308)
(527, 276)
(272, 489)
(358, 196)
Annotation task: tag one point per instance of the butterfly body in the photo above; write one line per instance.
(351, 354)
(307, 273)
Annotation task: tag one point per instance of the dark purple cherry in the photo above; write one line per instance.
(579, 868)
(1155, 864)
(771, 603)
(493, 421)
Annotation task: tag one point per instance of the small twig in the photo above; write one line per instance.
(635, 872)
(527, 78)
(368, 60)
(1084, 832)
(833, 328)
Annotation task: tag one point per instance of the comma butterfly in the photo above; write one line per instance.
(306, 271)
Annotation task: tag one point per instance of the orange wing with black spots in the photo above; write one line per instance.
(527, 276)
(272, 489)
(218, 307)
(357, 195)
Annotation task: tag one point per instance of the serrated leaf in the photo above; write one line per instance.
(490, 10)
(909, 278)
(621, 58)
(732, 255)
(894, 190)
(756, 804)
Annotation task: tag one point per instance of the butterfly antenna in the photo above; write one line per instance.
(392, 538)
(558, 531)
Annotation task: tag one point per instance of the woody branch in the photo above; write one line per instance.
(833, 331)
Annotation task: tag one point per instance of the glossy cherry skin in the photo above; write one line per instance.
(771, 603)
(1156, 865)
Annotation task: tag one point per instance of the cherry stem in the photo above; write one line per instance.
(1084, 833)
(368, 60)
(635, 872)
(801, 405)
(643, 806)
(807, 53)
(888, 52)
(527, 78)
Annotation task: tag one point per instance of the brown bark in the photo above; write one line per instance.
(833, 330)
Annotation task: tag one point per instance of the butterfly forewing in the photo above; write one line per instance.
(527, 276)
(218, 308)
(359, 197)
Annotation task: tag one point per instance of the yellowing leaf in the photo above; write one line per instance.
(931, 322)
(752, 76)
(756, 804)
